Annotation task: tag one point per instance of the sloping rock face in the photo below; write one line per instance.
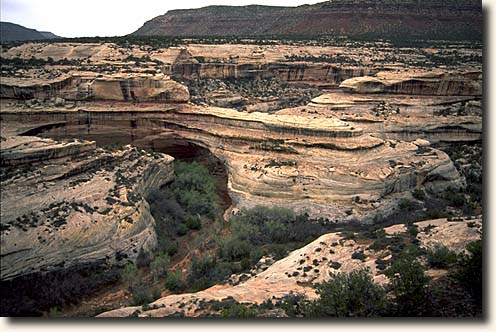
(302, 269)
(436, 19)
(66, 204)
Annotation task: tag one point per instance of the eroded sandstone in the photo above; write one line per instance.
(68, 203)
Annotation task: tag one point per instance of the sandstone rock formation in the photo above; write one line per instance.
(314, 164)
(444, 85)
(302, 269)
(315, 157)
(349, 154)
(84, 86)
(399, 117)
(66, 203)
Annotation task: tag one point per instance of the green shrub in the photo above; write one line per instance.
(173, 281)
(159, 265)
(409, 284)
(469, 271)
(238, 311)
(454, 198)
(436, 214)
(140, 295)
(193, 222)
(441, 257)
(418, 194)
(129, 275)
(181, 230)
(349, 295)
(234, 249)
(359, 255)
(413, 230)
(405, 204)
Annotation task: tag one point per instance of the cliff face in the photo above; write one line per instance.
(386, 18)
(320, 73)
(66, 204)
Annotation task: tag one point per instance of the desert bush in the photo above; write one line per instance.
(129, 275)
(159, 265)
(454, 198)
(348, 295)
(193, 222)
(173, 281)
(409, 283)
(234, 249)
(469, 270)
(441, 257)
(140, 295)
(238, 310)
(405, 204)
(418, 194)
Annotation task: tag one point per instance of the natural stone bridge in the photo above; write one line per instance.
(319, 165)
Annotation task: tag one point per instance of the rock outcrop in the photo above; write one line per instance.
(314, 157)
(84, 86)
(439, 85)
(68, 203)
(399, 117)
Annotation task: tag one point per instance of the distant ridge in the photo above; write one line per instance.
(426, 19)
(15, 32)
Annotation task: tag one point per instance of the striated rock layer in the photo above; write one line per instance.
(318, 165)
(66, 204)
(441, 85)
(90, 86)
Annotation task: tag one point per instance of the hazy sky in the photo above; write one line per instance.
(76, 18)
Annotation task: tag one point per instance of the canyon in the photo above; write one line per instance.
(86, 128)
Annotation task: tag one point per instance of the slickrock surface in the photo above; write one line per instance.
(66, 203)
(303, 268)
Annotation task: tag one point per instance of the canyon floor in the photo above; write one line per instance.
(146, 161)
